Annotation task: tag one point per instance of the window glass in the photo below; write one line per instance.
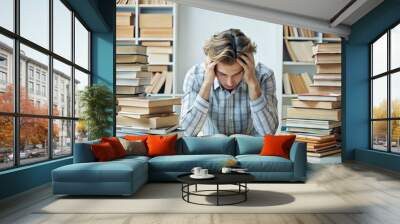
(81, 82)
(81, 45)
(62, 91)
(62, 137)
(39, 62)
(33, 139)
(6, 142)
(379, 56)
(379, 97)
(395, 47)
(6, 74)
(35, 21)
(379, 135)
(62, 29)
(7, 14)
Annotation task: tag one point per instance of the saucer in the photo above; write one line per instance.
(208, 176)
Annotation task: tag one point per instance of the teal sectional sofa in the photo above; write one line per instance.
(125, 176)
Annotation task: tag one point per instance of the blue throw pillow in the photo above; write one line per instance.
(246, 144)
(207, 145)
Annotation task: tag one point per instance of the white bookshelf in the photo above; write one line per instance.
(299, 67)
(138, 9)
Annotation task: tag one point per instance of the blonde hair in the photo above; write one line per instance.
(227, 45)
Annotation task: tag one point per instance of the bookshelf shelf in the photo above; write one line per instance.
(155, 39)
(132, 7)
(298, 63)
(155, 6)
(301, 38)
(289, 95)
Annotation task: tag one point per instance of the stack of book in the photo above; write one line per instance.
(132, 76)
(125, 27)
(316, 119)
(155, 25)
(147, 115)
(327, 57)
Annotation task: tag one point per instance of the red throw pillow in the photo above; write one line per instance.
(277, 145)
(103, 151)
(161, 145)
(116, 145)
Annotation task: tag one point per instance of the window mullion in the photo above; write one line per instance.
(50, 81)
(389, 101)
(73, 81)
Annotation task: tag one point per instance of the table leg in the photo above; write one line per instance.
(217, 194)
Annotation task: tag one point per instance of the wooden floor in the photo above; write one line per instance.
(378, 189)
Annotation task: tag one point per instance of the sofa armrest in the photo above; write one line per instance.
(298, 155)
(83, 152)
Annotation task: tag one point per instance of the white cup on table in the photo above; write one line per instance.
(203, 172)
(196, 171)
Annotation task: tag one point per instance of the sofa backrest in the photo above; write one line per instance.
(246, 144)
(83, 152)
(206, 145)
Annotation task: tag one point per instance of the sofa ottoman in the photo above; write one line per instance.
(119, 177)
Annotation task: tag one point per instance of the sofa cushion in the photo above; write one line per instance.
(116, 145)
(103, 152)
(112, 171)
(207, 145)
(257, 163)
(277, 145)
(246, 144)
(161, 145)
(185, 163)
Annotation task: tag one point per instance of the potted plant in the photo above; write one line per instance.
(96, 103)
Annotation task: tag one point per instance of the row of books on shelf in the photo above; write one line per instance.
(290, 31)
(150, 25)
(147, 115)
(307, 51)
(144, 2)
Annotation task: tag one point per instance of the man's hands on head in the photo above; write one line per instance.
(209, 75)
(246, 60)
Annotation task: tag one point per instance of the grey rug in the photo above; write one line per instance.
(166, 198)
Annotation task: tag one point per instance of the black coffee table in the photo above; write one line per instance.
(238, 179)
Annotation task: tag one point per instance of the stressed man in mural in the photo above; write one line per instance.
(229, 93)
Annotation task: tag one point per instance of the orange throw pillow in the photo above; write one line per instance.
(277, 145)
(161, 145)
(116, 145)
(103, 152)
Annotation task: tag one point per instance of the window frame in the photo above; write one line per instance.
(16, 114)
(388, 74)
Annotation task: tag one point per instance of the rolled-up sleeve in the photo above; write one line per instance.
(264, 109)
(194, 108)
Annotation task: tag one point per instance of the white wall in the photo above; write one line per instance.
(195, 26)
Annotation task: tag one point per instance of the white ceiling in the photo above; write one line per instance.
(314, 14)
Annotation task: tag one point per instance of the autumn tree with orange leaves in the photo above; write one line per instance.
(33, 131)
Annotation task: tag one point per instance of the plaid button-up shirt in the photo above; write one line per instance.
(229, 112)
